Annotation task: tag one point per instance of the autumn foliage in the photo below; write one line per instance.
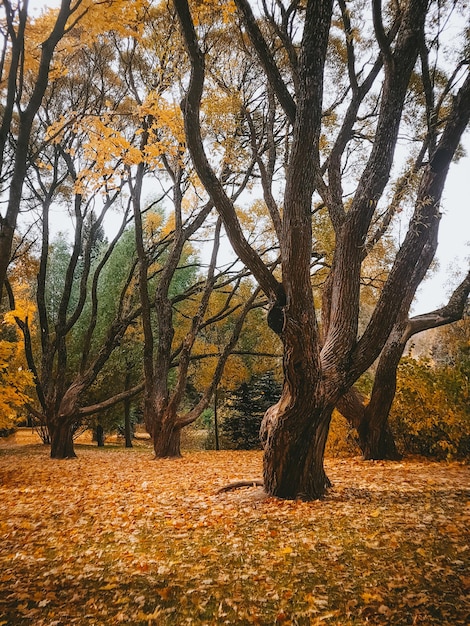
(430, 414)
(118, 537)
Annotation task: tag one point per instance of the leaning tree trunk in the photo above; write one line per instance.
(374, 435)
(62, 440)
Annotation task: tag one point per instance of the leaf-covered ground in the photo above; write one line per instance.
(116, 536)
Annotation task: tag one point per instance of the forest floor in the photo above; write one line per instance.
(116, 536)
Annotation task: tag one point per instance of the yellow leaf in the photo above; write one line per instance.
(371, 597)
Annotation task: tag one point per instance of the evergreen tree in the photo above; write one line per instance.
(244, 410)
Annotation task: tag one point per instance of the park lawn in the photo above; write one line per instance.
(116, 536)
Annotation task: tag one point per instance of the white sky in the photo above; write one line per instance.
(453, 254)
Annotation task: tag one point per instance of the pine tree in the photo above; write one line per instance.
(244, 410)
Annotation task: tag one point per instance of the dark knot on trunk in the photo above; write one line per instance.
(276, 317)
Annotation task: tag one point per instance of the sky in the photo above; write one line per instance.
(453, 254)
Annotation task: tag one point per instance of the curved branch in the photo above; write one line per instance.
(265, 57)
(451, 312)
(106, 404)
(225, 207)
(382, 39)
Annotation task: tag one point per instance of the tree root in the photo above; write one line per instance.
(241, 483)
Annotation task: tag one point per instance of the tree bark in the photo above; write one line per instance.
(99, 436)
(294, 451)
(167, 440)
(127, 424)
(127, 410)
(62, 441)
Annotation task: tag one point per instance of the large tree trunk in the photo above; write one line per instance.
(296, 428)
(62, 441)
(167, 441)
(294, 451)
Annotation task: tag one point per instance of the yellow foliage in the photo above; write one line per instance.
(212, 11)
(235, 373)
(430, 413)
(91, 19)
(202, 373)
(153, 224)
(167, 124)
(25, 309)
(14, 381)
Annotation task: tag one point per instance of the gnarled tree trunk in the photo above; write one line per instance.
(167, 440)
(296, 428)
(293, 455)
(62, 440)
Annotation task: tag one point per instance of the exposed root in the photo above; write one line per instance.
(241, 483)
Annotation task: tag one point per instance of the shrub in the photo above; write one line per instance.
(431, 414)
(342, 438)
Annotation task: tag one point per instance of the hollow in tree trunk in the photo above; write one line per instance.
(62, 441)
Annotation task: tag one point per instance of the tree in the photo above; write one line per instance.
(370, 418)
(244, 409)
(79, 329)
(173, 320)
(322, 362)
(22, 102)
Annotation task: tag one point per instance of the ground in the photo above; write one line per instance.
(116, 536)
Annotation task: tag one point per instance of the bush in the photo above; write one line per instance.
(342, 438)
(430, 415)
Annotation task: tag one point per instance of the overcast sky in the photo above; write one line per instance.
(453, 253)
